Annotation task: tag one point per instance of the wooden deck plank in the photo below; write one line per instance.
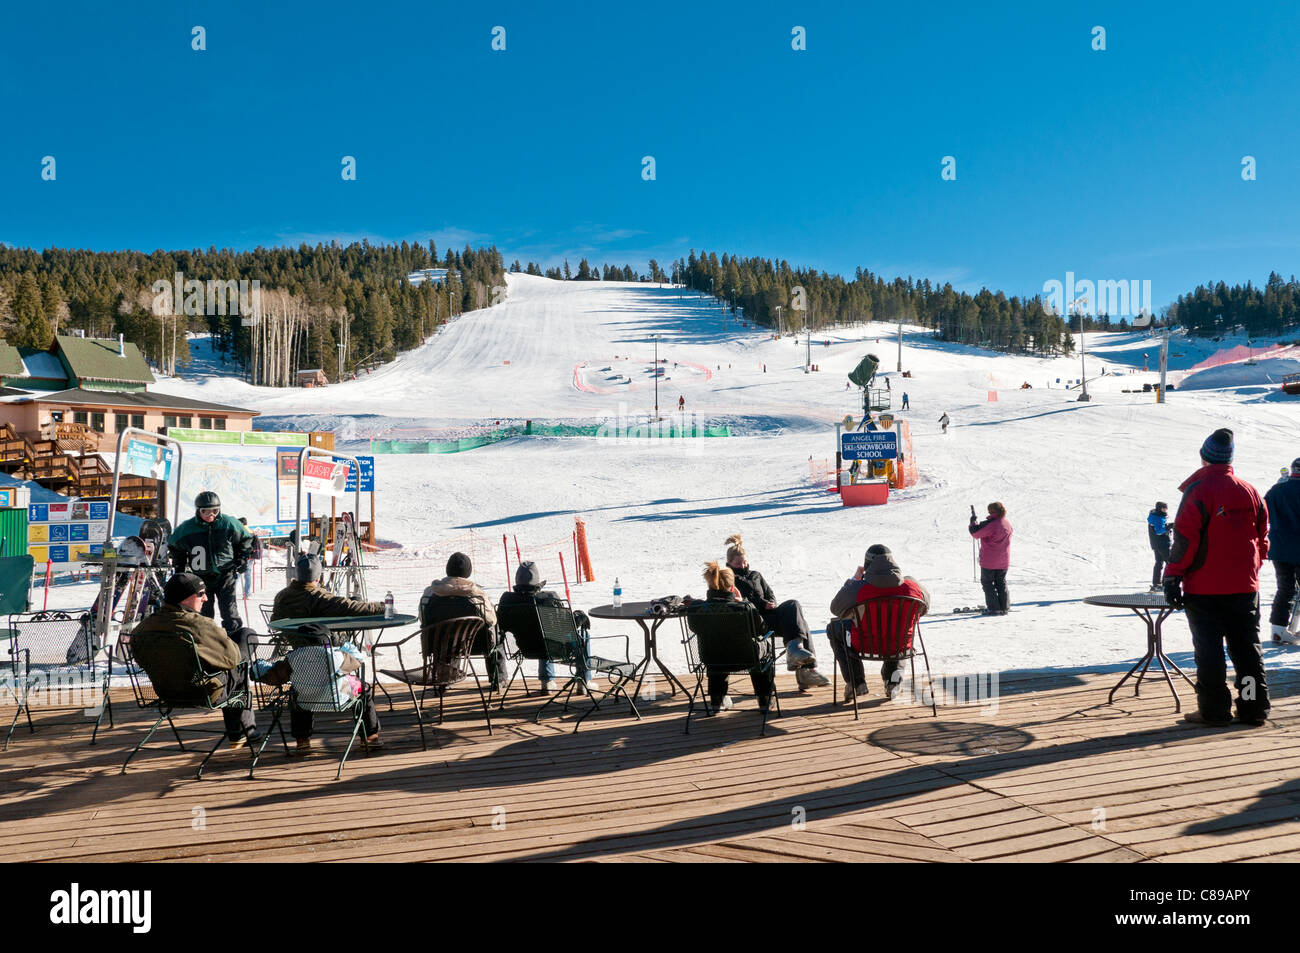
(1019, 783)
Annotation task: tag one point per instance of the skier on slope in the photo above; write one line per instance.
(994, 535)
(1158, 530)
(944, 421)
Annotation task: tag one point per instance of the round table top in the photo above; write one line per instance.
(1130, 600)
(345, 623)
(628, 610)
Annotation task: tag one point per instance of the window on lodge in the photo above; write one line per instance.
(97, 422)
(205, 423)
(119, 422)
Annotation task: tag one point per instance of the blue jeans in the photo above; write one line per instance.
(581, 665)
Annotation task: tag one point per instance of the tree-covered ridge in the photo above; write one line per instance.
(987, 319)
(356, 295)
(1270, 311)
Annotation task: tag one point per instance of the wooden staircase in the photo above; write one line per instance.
(66, 463)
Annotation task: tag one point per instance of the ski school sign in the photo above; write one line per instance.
(869, 445)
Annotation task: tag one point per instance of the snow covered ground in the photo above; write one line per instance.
(1077, 478)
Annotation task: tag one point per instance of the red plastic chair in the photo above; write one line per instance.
(885, 630)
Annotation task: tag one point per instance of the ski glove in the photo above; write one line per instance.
(1173, 586)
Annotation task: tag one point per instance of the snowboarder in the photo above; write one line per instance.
(216, 548)
(1158, 530)
(944, 421)
(906, 406)
(1283, 501)
(994, 535)
(1220, 539)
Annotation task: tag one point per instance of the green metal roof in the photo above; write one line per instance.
(97, 359)
(11, 363)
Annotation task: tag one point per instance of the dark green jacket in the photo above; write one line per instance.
(210, 549)
(307, 600)
(158, 645)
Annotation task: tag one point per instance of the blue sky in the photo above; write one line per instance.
(1121, 164)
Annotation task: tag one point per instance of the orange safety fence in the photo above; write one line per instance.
(585, 572)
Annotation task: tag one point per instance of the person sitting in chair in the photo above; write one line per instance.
(786, 619)
(305, 598)
(457, 595)
(313, 679)
(528, 592)
(878, 578)
(722, 588)
(153, 646)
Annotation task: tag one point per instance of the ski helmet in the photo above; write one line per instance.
(207, 499)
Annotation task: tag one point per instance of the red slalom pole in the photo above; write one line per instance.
(564, 572)
(505, 547)
(518, 559)
(49, 572)
(577, 563)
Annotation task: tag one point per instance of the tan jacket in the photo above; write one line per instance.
(457, 589)
(307, 600)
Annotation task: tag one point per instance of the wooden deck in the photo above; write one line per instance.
(1051, 775)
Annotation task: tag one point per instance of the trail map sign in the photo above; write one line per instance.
(869, 445)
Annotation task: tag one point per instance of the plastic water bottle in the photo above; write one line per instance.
(388, 605)
(618, 594)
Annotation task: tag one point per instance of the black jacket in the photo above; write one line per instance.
(754, 588)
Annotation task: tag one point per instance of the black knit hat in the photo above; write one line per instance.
(181, 586)
(459, 565)
(1218, 447)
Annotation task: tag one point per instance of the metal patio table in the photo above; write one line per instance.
(1142, 604)
(354, 623)
(642, 613)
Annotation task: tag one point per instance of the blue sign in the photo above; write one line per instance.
(80, 532)
(151, 460)
(59, 554)
(869, 445)
(39, 513)
(99, 511)
(367, 476)
(58, 533)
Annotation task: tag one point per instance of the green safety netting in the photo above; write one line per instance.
(663, 429)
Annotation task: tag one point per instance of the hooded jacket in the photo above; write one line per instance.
(882, 578)
(453, 596)
(308, 600)
(1220, 534)
(994, 535)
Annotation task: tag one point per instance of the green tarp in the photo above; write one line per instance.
(660, 430)
(15, 583)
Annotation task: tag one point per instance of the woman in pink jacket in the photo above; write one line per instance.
(994, 535)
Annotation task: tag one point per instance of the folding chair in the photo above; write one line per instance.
(181, 652)
(729, 637)
(317, 684)
(446, 648)
(54, 661)
(884, 630)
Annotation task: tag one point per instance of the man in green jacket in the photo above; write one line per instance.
(304, 598)
(216, 548)
(159, 646)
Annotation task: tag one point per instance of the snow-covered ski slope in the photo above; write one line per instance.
(1077, 478)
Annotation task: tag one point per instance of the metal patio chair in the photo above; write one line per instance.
(884, 630)
(55, 663)
(445, 647)
(729, 637)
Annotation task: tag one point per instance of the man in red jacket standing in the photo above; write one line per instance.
(1220, 541)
